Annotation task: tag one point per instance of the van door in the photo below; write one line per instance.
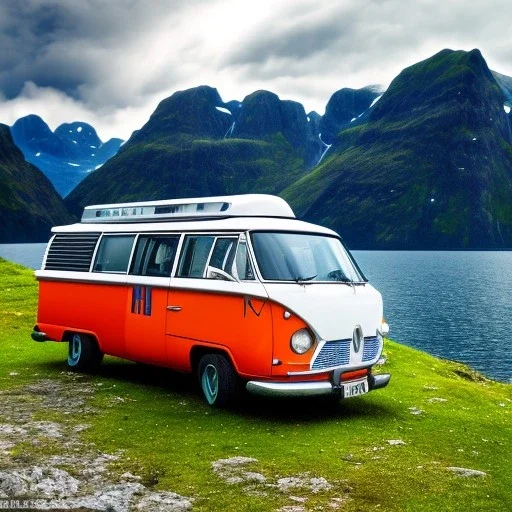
(215, 301)
(146, 309)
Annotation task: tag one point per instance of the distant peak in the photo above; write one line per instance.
(32, 120)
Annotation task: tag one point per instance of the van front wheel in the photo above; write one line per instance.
(83, 353)
(219, 381)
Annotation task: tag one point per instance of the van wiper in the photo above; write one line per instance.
(300, 280)
(340, 277)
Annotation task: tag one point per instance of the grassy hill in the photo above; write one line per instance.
(184, 151)
(430, 166)
(390, 450)
(29, 205)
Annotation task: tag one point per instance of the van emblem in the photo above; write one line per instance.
(357, 338)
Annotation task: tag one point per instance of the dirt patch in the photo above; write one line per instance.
(70, 475)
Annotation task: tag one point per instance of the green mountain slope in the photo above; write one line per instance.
(429, 167)
(191, 147)
(29, 205)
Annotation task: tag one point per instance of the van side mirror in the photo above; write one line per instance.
(217, 273)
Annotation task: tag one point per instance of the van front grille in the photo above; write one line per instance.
(71, 252)
(371, 348)
(337, 353)
(333, 353)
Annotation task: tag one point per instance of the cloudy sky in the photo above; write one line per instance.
(110, 62)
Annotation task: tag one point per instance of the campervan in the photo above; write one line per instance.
(234, 289)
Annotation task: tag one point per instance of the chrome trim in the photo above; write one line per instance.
(346, 367)
(289, 389)
(379, 381)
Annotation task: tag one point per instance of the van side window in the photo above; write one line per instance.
(154, 255)
(194, 256)
(223, 254)
(243, 265)
(114, 253)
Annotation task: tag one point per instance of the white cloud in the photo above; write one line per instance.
(110, 63)
(56, 108)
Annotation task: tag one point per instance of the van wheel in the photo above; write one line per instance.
(219, 381)
(83, 353)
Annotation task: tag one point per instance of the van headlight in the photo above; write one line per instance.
(301, 341)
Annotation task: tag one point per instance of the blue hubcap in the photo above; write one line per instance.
(210, 383)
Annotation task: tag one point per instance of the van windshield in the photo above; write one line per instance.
(302, 257)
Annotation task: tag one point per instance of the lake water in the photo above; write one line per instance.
(455, 305)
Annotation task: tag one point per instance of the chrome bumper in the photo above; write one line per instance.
(298, 389)
(289, 388)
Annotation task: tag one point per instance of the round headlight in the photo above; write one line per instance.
(301, 341)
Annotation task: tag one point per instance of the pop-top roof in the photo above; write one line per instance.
(248, 205)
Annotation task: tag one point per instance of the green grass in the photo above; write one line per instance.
(170, 437)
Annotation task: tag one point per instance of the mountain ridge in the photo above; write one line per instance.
(425, 165)
(67, 155)
(431, 167)
(29, 204)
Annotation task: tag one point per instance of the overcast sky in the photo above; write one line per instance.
(110, 62)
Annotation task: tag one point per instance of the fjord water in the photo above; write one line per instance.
(455, 305)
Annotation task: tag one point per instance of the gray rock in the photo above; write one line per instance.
(313, 484)
(467, 473)
(164, 502)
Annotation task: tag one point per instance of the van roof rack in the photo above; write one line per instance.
(245, 205)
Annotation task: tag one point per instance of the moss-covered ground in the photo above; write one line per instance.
(390, 450)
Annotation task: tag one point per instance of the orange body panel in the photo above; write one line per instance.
(240, 324)
(84, 307)
(134, 322)
(145, 333)
(283, 331)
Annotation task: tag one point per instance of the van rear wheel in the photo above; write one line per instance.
(83, 353)
(219, 381)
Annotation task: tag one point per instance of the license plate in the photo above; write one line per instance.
(355, 388)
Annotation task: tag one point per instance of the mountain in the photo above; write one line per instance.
(344, 107)
(430, 167)
(505, 82)
(29, 205)
(67, 155)
(196, 145)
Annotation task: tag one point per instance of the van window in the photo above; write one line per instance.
(154, 255)
(114, 253)
(303, 257)
(202, 251)
(243, 265)
(194, 256)
(223, 254)
(71, 251)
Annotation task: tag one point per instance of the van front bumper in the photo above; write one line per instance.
(299, 389)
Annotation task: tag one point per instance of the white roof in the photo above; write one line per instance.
(239, 224)
(261, 205)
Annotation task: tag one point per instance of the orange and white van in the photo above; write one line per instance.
(234, 289)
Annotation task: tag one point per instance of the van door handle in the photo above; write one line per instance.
(174, 308)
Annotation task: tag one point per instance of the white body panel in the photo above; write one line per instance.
(332, 310)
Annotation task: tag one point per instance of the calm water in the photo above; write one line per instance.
(456, 305)
(30, 255)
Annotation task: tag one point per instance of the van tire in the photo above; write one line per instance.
(83, 353)
(218, 380)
